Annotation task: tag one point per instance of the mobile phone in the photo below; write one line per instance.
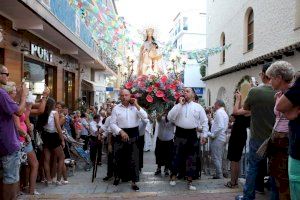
(253, 81)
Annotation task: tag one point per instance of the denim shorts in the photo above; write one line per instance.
(28, 148)
(10, 168)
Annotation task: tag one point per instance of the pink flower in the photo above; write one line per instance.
(164, 79)
(128, 85)
(160, 93)
(149, 89)
(149, 98)
(142, 84)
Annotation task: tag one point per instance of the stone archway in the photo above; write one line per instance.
(222, 95)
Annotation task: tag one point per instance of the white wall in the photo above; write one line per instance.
(192, 76)
(230, 81)
(274, 28)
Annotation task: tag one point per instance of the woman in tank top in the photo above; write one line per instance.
(53, 140)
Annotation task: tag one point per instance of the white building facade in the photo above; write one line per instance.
(258, 32)
(188, 34)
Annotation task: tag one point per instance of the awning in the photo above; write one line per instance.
(92, 86)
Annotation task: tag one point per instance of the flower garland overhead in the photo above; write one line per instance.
(107, 29)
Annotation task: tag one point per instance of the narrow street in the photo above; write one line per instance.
(151, 187)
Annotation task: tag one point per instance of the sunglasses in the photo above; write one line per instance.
(3, 73)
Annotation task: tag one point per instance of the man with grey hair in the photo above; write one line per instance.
(218, 136)
(9, 138)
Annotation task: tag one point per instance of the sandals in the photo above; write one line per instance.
(230, 185)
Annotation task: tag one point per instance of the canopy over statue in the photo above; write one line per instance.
(149, 55)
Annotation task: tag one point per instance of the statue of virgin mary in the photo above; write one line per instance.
(148, 55)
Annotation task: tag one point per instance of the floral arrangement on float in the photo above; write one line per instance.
(156, 92)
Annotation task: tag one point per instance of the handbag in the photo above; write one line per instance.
(38, 139)
(264, 149)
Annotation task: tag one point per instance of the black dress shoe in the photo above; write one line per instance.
(167, 173)
(158, 172)
(106, 178)
(135, 188)
(116, 182)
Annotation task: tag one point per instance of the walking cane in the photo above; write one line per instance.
(95, 166)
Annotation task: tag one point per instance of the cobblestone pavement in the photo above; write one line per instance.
(151, 187)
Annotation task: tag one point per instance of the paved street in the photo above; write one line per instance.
(151, 187)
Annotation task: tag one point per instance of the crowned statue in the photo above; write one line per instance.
(149, 55)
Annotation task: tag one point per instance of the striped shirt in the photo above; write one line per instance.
(282, 123)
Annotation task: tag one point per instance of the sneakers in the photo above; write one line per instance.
(239, 197)
(172, 183)
(135, 188)
(191, 187)
(62, 182)
(58, 183)
(36, 193)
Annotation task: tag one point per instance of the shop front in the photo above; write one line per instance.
(38, 63)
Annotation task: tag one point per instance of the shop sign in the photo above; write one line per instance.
(198, 91)
(40, 52)
(109, 89)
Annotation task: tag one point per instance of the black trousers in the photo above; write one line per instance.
(186, 148)
(164, 153)
(110, 161)
(94, 146)
(141, 151)
(126, 156)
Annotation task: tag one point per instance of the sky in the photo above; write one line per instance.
(158, 14)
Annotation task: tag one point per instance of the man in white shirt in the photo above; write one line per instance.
(188, 116)
(218, 136)
(124, 124)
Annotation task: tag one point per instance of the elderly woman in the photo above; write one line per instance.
(281, 75)
(24, 128)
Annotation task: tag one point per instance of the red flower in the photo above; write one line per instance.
(128, 85)
(164, 79)
(160, 93)
(177, 95)
(149, 98)
(156, 85)
(172, 86)
(165, 99)
(149, 89)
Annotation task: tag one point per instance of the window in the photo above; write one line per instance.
(250, 30)
(69, 89)
(185, 24)
(37, 74)
(222, 45)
